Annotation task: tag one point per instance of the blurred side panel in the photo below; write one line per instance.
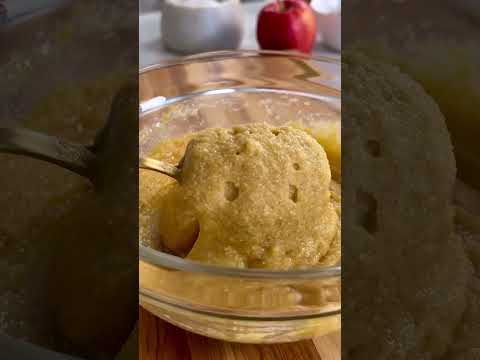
(68, 243)
(411, 183)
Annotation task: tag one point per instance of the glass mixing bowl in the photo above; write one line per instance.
(224, 89)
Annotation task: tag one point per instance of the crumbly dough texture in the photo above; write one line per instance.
(397, 226)
(261, 196)
(237, 193)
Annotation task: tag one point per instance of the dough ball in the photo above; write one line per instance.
(261, 196)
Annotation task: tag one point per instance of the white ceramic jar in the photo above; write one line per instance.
(329, 21)
(193, 26)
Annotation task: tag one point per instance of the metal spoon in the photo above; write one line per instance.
(78, 158)
(72, 156)
(81, 159)
(161, 167)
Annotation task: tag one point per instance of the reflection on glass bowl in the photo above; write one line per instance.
(223, 90)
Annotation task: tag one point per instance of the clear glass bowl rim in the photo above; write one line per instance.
(158, 258)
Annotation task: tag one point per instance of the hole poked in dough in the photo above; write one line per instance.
(367, 211)
(373, 148)
(293, 193)
(231, 191)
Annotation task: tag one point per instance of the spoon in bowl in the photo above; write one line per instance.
(98, 162)
(161, 167)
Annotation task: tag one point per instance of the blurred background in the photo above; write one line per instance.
(194, 26)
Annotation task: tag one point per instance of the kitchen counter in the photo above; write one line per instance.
(159, 340)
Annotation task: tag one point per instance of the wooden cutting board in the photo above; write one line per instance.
(159, 340)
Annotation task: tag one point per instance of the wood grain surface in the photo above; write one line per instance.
(159, 340)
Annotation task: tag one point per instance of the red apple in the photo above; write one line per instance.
(287, 25)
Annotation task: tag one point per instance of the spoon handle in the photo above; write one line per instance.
(160, 166)
(74, 157)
